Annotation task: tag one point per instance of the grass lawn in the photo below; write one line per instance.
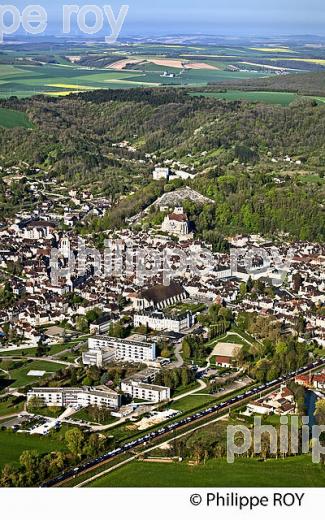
(20, 377)
(83, 415)
(13, 119)
(31, 352)
(192, 401)
(247, 337)
(232, 338)
(48, 411)
(183, 389)
(13, 444)
(293, 472)
(7, 407)
(243, 339)
(19, 353)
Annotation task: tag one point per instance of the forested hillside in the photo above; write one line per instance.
(230, 144)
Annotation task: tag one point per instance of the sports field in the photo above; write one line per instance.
(292, 472)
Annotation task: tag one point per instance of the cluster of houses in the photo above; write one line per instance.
(312, 381)
(280, 402)
(26, 249)
(27, 265)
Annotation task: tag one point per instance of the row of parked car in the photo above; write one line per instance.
(181, 423)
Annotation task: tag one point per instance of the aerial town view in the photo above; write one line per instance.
(162, 252)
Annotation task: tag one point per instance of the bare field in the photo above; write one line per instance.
(200, 66)
(122, 64)
(176, 64)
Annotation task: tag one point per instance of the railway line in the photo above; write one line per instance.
(176, 426)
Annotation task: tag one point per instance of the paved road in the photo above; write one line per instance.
(9, 416)
(14, 420)
(203, 386)
(16, 349)
(49, 359)
(54, 360)
(179, 360)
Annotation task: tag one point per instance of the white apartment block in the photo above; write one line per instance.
(98, 357)
(101, 397)
(103, 349)
(145, 392)
(157, 320)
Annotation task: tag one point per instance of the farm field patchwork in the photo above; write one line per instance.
(84, 59)
(273, 50)
(69, 68)
(29, 80)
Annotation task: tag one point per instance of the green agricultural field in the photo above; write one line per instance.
(274, 98)
(13, 119)
(62, 78)
(293, 472)
(55, 75)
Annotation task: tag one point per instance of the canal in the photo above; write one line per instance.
(310, 403)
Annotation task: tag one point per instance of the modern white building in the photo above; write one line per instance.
(98, 357)
(100, 396)
(145, 391)
(103, 349)
(157, 320)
